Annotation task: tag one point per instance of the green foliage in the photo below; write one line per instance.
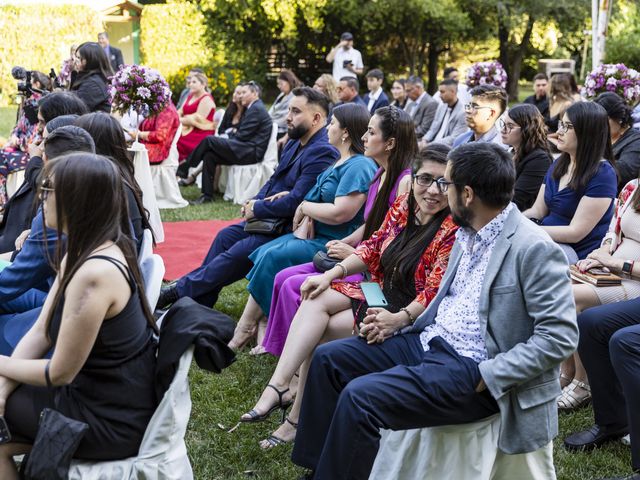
(38, 37)
(624, 35)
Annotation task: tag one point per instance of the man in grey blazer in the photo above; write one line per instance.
(421, 106)
(449, 121)
(490, 341)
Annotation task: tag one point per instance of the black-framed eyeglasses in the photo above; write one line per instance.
(426, 180)
(564, 126)
(474, 107)
(507, 127)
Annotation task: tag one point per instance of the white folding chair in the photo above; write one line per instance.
(152, 269)
(165, 183)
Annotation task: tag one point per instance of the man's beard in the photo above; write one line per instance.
(462, 215)
(298, 132)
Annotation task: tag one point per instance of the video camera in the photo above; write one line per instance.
(25, 88)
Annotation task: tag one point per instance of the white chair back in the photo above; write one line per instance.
(217, 118)
(152, 269)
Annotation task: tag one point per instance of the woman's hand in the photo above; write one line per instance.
(35, 149)
(6, 388)
(297, 217)
(380, 324)
(276, 196)
(21, 239)
(587, 264)
(314, 286)
(605, 259)
(338, 249)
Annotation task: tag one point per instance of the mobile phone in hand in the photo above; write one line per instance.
(373, 294)
(5, 435)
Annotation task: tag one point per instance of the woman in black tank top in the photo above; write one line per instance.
(95, 320)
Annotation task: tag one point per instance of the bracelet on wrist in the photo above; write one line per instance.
(343, 268)
(411, 317)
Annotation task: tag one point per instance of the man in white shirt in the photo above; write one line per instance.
(376, 98)
(347, 61)
(449, 121)
(451, 73)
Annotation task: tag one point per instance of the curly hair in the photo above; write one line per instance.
(532, 127)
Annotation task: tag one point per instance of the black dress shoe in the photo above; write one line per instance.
(168, 295)
(202, 200)
(593, 438)
(633, 476)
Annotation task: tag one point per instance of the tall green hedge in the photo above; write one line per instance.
(172, 39)
(38, 37)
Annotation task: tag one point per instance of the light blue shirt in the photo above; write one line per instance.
(457, 321)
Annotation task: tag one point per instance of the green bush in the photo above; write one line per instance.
(38, 37)
(624, 49)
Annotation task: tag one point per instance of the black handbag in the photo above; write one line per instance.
(323, 262)
(266, 226)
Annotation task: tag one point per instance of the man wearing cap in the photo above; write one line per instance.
(347, 61)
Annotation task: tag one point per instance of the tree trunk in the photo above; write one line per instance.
(518, 57)
(432, 67)
(503, 38)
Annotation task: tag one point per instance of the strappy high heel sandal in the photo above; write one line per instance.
(570, 400)
(249, 334)
(257, 417)
(273, 441)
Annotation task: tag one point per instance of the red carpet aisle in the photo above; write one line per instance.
(186, 243)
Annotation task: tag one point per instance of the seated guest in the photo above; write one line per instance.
(305, 156)
(490, 341)
(279, 110)
(449, 122)
(24, 284)
(186, 90)
(575, 202)
(487, 104)
(326, 84)
(560, 99)
(91, 77)
(376, 98)
(421, 106)
(332, 209)
(347, 89)
(246, 146)
(390, 141)
(196, 116)
(618, 252)
(13, 155)
(96, 321)
(610, 350)
(398, 93)
(523, 129)
(539, 98)
(19, 210)
(414, 242)
(625, 140)
(109, 139)
(157, 133)
(452, 73)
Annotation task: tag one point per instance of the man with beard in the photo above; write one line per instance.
(306, 155)
(246, 146)
(487, 104)
(490, 342)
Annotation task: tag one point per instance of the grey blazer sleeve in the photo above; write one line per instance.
(427, 117)
(457, 126)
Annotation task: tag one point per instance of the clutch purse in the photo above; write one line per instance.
(266, 226)
(57, 440)
(323, 262)
(595, 276)
(305, 230)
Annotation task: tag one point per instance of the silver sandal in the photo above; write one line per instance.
(570, 401)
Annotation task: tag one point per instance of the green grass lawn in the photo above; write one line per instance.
(219, 400)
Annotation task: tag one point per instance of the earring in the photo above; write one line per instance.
(344, 139)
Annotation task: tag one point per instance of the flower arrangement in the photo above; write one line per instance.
(486, 73)
(139, 88)
(617, 78)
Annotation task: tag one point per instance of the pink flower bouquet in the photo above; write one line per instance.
(486, 73)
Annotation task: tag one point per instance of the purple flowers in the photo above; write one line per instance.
(140, 88)
(486, 73)
(617, 78)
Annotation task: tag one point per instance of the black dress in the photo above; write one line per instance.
(113, 392)
(530, 172)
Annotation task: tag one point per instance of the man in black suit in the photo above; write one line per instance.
(347, 89)
(113, 54)
(246, 146)
(376, 98)
(539, 98)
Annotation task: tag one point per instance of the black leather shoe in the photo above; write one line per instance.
(168, 295)
(593, 438)
(633, 476)
(202, 200)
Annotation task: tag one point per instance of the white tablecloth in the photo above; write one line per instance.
(143, 177)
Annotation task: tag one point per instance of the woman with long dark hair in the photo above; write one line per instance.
(390, 140)
(407, 257)
(625, 140)
(95, 320)
(91, 77)
(575, 202)
(110, 142)
(522, 127)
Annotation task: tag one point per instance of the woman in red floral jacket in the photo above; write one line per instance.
(407, 257)
(157, 133)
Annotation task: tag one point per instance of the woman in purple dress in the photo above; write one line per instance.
(390, 141)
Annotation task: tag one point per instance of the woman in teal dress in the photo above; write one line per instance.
(335, 204)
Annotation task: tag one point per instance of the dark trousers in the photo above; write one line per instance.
(610, 351)
(354, 389)
(227, 262)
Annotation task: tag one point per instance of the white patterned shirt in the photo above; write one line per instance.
(457, 321)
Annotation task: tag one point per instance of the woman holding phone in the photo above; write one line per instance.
(394, 253)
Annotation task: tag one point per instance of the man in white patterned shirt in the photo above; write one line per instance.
(491, 340)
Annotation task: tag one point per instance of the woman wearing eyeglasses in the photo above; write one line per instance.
(575, 203)
(523, 129)
(407, 257)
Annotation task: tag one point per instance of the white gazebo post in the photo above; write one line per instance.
(600, 12)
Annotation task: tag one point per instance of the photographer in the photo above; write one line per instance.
(89, 80)
(347, 61)
(14, 156)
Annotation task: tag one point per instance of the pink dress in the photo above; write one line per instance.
(186, 143)
(286, 286)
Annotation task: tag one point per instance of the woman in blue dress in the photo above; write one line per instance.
(335, 204)
(575, 203)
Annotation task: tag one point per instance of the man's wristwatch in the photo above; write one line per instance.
(627, 267)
